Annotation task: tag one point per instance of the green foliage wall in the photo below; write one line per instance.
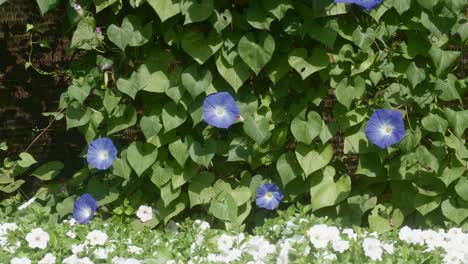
(306, 74)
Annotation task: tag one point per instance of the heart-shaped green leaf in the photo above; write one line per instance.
(443, 59)
(196, 10)
(349, 90)
(202, 154)
(288, 168)
(256, 50)
(179, 150)
(165, 8)
(257, 128)
(325, 192)
(132, 32)
(455, 209)
(199, 47)
(306, 130)
(364, 39)
(141, 156)
(305, 66)
(312, 158)
(235, 75)
(221, 20)
(173, 116)
(426, 204)
(196, 82)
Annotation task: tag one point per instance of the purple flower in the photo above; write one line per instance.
(268, 196)
(77, 8)
(366, 4)
(220, 110)
(98, 30)
(385, 128)
(84, 208)
(101, 153)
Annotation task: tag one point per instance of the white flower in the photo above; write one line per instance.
(132, 261)
(101, 253)
(350, 233)
(76, 249)
(171, 261)
(145, 213)
(319, 235)
(47, 259)
(37, 238)
(329, 256)
(202, 225)
(225, 242)
(73, 259)
(388, 247)
(340, 245)
(96, 237)
(23, 260)
(291, 226)
(372, 248)
(71, 234)
(454, 257)
(258, 247)
(135, 250)
(27, 204)
(433, 239)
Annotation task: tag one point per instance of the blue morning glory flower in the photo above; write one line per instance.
(220, 110)
(268, 196)
(101, 153)
(385, 128)
(84, 208)
(366, 4)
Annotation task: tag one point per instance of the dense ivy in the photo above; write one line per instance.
(306, 75)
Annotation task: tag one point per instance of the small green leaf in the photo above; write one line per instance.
(434, 123)
(401, 6)
(349, 90)
(256, 50)
(200, 190)
(46, 5)
(221, 20)
(150, 126)
(312, 158)
(383, 219)
(462, 188)
(132, 32)
(85, 36)
(305, 66)
(257, 128)
(443, 59)
(141, 156)
(26, 160)
(307, 130)
(325, 192)
(288, 168)
(179, 150)
(370, 165)
(236, 74)
(48, 171)
(123, 117)
(202, 154)
(458, 121)
(196, 10)
(426, 204)
(455, 210)
(199, 47)
(165, 8)
(415, 75)
(173, 116)
(196, 82)
(364, 39)
(225, 209)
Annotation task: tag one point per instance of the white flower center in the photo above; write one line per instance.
(387, 129)
(103, 155)
(269, 195)
(87, 212)
(220, 110)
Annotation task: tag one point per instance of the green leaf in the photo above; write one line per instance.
(132, 32)
(241, 195)
(323, 34)
(462, 188)
(124, 117)
(48, 171)
(200, 190)
(202, 154)
(85, 36)
(278, 8)
(385, 218)
(141, 156)
(66, 206)
(427, 159)
(179, 150)
(257, 17)
(307, 130)
(458, 121)
(173, 116)
(221, 20)
(349, 90)
(305, 66)
(455, 210)
(256, 49)
(150, 126)
(168, 194)
(121, 167)
(77, 116)
(46, 5)
(102, 4)
(364, 39)
(26, 160)
(426, 204)
(443, 59)
(161, 173)
(196, 82)
(288, 168)
(199, 47)
(434, 123)
(446, 89)
(325, 192)
(313, 158)
(428, 4)
(165, 8)
(225, 209)
(236, 74)
(370, 165)
(401, 6)
(415, 75)
(196, 10)
(257, 128)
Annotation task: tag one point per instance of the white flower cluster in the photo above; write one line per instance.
(454, 242)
